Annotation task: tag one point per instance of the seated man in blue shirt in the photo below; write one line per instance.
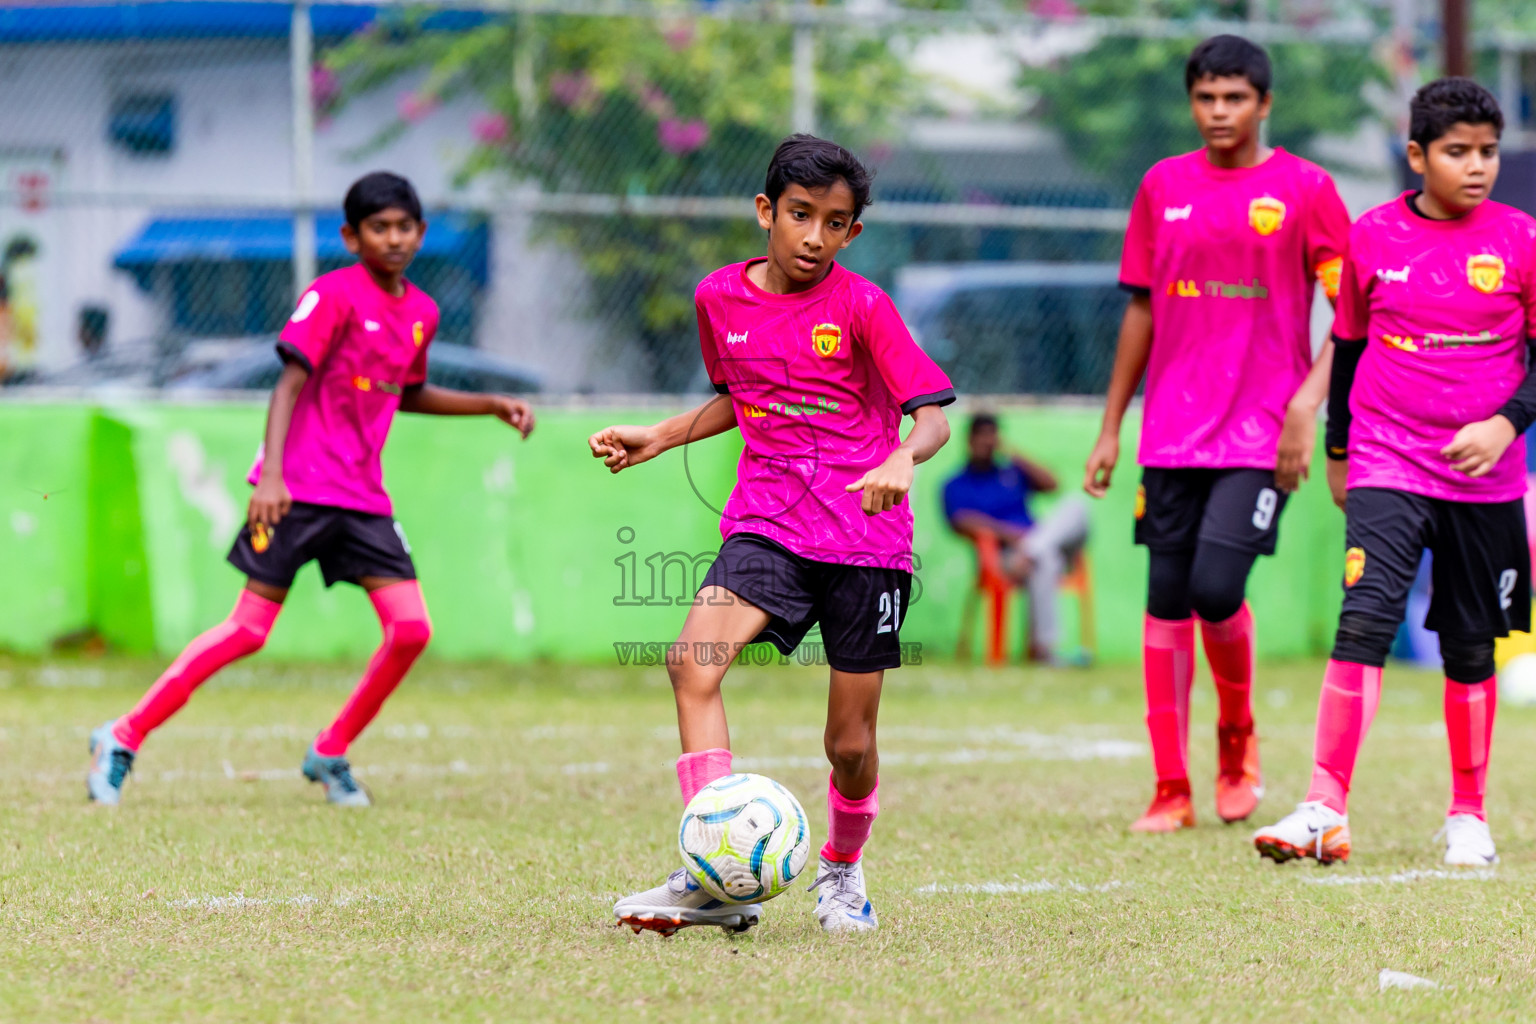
(990, 496)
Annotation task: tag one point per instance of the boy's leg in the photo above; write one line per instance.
(241, 634)
(853, 800)
(1050, 545)
(115, 744)
(1471, 699)
(1168, 671)
(407, 629)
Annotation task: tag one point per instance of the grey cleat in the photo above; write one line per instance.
(843, 905)
(680, 903)
(110, 764)
(335, 774)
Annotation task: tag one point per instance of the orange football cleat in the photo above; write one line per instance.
(1313, 830)
(1239, 783)
(1170, 811)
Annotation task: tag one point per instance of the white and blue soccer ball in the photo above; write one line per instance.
(744, 838)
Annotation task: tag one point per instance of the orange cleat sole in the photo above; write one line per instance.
(1280, 851)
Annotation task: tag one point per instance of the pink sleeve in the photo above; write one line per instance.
(417, 374)
(1327, 236)
(1136, 257)
(1351, 309)
(912, 378)
(308, 334)
(707, 347)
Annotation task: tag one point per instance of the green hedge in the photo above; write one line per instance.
(525, 550)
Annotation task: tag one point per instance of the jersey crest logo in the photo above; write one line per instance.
(1266, 215)
(1328, 274)
(826, 339)
(418, 333)
(1354, 566)
(1141, 502)
(1486, 273)
(261, 538)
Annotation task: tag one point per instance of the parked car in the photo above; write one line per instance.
(1016, 327)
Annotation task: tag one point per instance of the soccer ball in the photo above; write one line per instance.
(744, 838)
(1517, 681)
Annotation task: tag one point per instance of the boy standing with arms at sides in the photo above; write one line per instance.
(355, 350)
(1222, 257)
(816, 369)
(1429, 401)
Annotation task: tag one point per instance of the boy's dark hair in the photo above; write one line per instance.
(1445, 102)
(1227, 56)
(379, 191)
(981, 421)
(816, 164)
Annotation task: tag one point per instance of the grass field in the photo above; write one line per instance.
(514, 806)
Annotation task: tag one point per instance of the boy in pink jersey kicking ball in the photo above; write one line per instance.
(1429, 401)
(355, 351)
(817, 371)
(1224, 251)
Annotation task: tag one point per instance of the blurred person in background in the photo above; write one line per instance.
(990, 498)
(1225, 249)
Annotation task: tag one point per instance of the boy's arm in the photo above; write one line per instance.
(430, 400)
(886, 484)
(623, 446)
(1293, 457)
(271, 501)
(1131, 354)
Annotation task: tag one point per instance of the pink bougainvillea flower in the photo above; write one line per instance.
(412, 107)
(681, 137)
(1062, 10)
(490, 128)
(572, 89)
(324, 85)
(655, 102)
(678, 36)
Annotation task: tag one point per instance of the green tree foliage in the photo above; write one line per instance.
(1121, 106)
(631, 106)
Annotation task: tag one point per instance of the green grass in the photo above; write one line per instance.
(515, 804)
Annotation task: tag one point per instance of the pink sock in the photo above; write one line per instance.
(1168, 667)
(1469, 710)
(848, 823)
(1345, 709)
(1229, 649)
(242, 633)
(403, 615)
(700, 768)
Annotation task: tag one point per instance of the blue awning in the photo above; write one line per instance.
(451, 237)
(192, 19)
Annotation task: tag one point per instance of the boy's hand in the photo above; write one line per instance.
(1101, 465)
(624, 446)
(1338, 473)
(269, 502)
(886, 484)
(1477, 447)
(515, 413)
(1294, 455)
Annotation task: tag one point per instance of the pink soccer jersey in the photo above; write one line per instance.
(1445, 308)
(1230, 258)
(362, 347)
(819, 381)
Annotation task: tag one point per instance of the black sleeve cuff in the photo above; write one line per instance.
(1139, 290)
(1520, 410)
(288, 352)
(944, 397)
(720, 389)
(1346, 358)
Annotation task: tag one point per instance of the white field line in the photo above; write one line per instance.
(1404, 877)
(1006, 888)
(239, 900)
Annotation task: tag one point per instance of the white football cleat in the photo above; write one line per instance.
(1468, 843)
(843, 905)
(1313, 829)
(678, 903)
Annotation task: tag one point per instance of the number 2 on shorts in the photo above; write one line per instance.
(1507, 580)
(890, 612)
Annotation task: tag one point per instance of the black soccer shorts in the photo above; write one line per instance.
(860, 608)
(1481, 575)
(348, 545)
(1181, 509)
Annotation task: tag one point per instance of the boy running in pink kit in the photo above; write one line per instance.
(818, 370)
(355, 351)
(1223, 253)
(1430, 397)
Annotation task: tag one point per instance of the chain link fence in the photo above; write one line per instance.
(170, 169)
